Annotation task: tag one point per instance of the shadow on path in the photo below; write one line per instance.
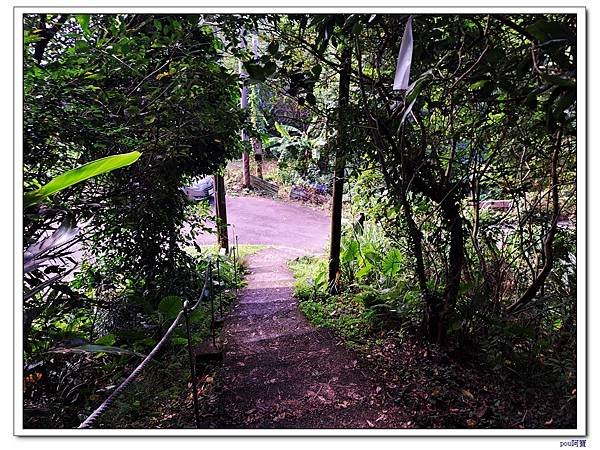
(281, 372)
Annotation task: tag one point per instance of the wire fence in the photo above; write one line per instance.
(207, 294)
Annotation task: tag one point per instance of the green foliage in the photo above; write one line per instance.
(492, 99)
(78, 175)
(368, 256)
(346, 317)
(111, 84)
(170, 306)
(301, 157)
(153, 87)
(311, 277)
(356, 313)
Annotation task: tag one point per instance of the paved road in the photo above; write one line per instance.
(260, 220)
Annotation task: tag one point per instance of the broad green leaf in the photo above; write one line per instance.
(417, 86)
(478, 84)
(371, 254)
(78, 175)
(321, 279)
(392, 262)
(282, 131)
(170, 306)
(108, 339)
(349, 252)
(364, 272)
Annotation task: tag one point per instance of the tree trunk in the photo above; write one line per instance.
(221, 212)
(256, 144)
(451, 212)
(548, 250)
(244, 105)
(338, 177)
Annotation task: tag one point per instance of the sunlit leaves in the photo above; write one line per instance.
(84, 21)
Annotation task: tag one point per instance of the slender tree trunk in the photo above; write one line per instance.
(221, 212)
(548, 250)
(338, 176)
(433, 304)
(451, 212)
(244, 105)
(256, 144)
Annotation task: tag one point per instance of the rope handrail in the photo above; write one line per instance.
(185, 311)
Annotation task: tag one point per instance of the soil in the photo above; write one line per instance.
(279, 371)
(234, 188)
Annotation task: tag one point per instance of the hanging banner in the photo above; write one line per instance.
(404, 58)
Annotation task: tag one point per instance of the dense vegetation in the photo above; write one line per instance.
(464, 182)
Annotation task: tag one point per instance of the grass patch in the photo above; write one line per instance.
(213, 249)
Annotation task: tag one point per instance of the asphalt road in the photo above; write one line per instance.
(260, 220)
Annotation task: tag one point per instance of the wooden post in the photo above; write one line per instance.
(338, 177)
(221, 212)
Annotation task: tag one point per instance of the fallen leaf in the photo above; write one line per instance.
(471, 423)
(467, 393)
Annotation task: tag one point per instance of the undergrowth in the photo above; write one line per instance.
(161, 396)
(345, 314)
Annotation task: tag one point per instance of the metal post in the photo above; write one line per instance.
(235, 276)
(220, 289)
(212, 305)
(192, 366)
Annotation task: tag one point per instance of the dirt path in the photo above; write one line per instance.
(281, 372)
